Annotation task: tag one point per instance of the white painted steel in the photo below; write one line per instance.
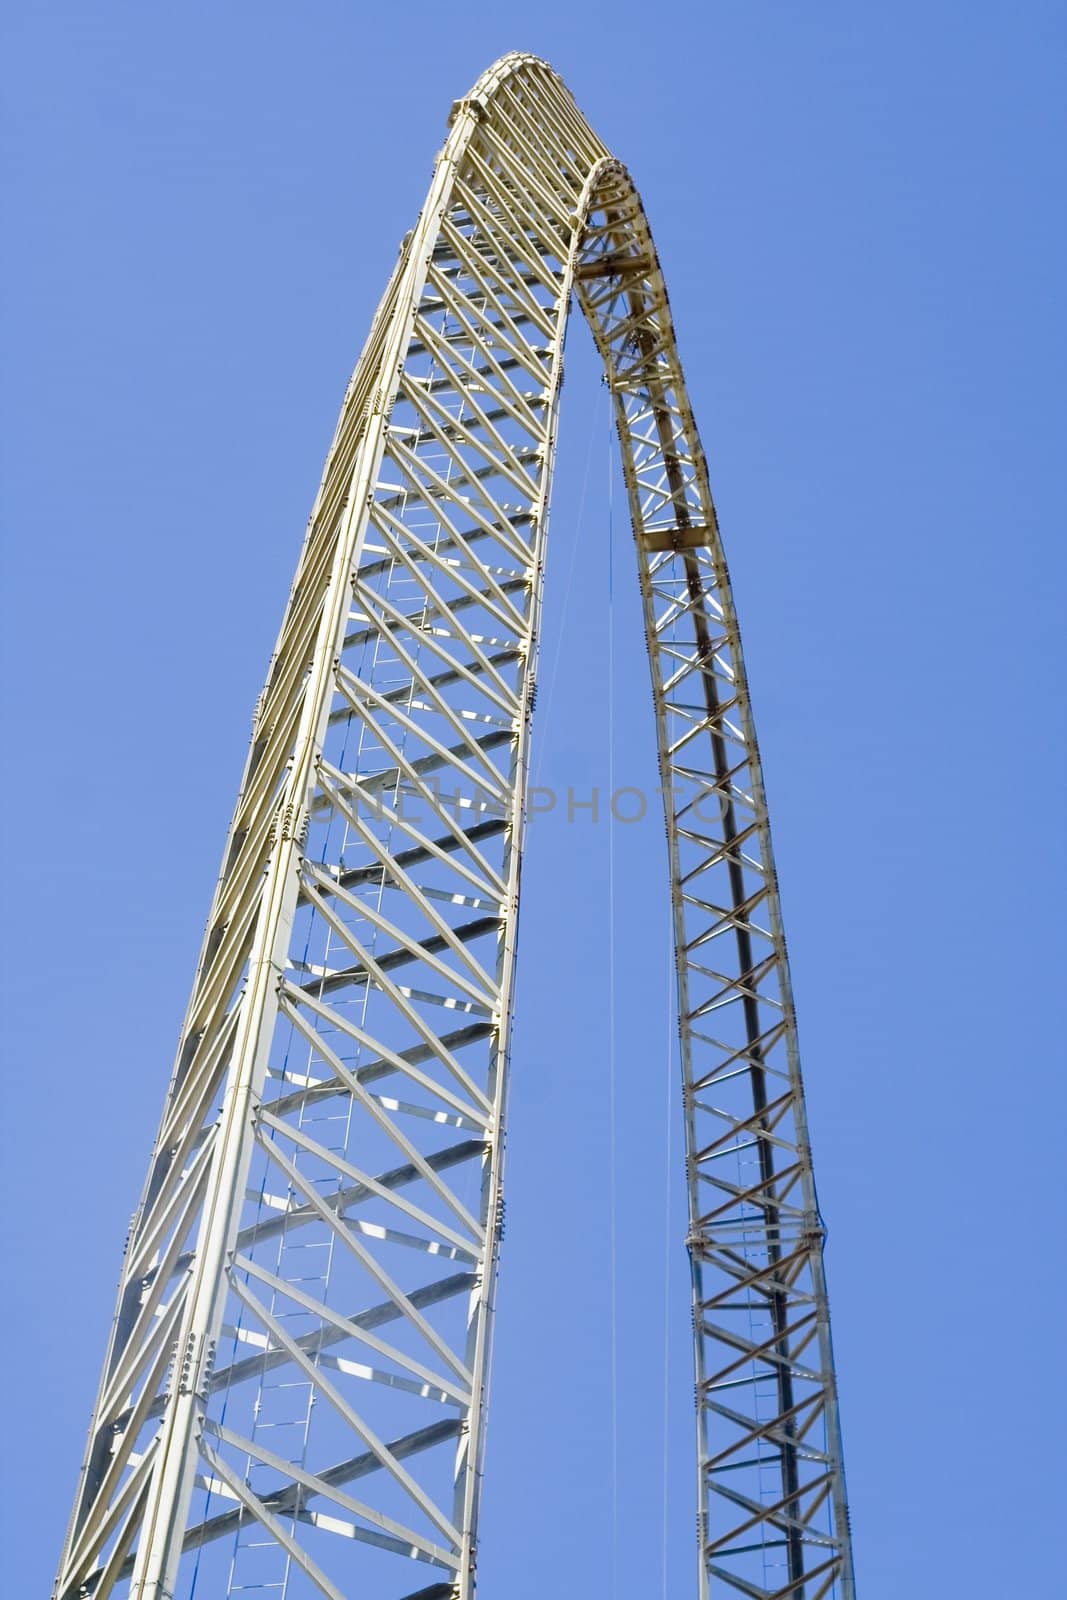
(306, 1303)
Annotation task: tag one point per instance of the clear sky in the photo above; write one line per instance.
(860, 214)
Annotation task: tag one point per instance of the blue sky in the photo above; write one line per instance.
(860, 214)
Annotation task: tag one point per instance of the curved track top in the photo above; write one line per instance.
(294, 1391)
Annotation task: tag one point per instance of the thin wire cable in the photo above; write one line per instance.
(612, 1175)
(668, 1142)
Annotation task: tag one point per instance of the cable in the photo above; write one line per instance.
(612, 1164)
(668, 1146)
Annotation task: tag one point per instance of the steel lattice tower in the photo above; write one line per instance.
(294, 1389)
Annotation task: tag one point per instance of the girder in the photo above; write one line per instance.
(330, 1159)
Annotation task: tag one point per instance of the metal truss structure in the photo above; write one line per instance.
(294, 1393)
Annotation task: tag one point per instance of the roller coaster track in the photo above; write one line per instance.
(293, 1397)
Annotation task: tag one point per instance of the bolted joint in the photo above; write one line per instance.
(195, 1365)
(473, 106)
(813, 1233)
